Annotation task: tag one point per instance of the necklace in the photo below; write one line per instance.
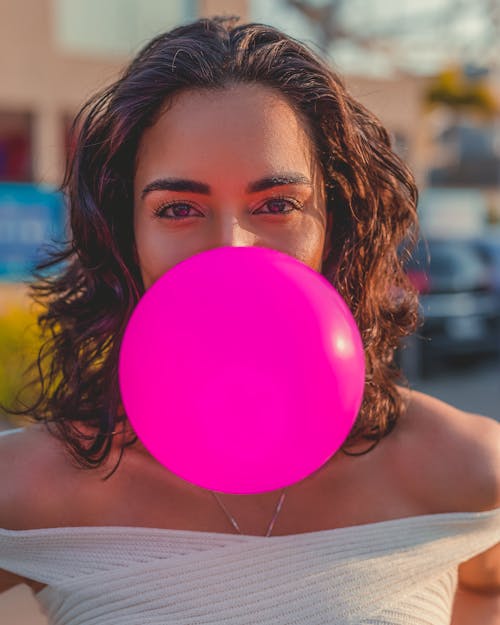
(236, 526)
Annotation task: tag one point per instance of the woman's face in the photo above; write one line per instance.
(233, 167)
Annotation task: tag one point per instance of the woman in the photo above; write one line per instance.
(219, 134)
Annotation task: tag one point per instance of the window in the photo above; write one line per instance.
(115, 27)
(15, 147)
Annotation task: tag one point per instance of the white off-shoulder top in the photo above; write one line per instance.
(397, 572)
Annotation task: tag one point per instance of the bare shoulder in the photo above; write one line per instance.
(27, 456)
(32, 458)
(450, 458)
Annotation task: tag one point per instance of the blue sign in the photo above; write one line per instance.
(32, 218)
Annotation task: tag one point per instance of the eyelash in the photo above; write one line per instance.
(160, 211)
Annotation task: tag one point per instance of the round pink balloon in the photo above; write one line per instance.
(242, 370)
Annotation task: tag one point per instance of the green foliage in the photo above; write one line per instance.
(19, 344)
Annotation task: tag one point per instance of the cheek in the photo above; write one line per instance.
(158, 250)
(154, 255)
(310, 248)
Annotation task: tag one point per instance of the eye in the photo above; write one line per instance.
(180, 210)
(281, 206)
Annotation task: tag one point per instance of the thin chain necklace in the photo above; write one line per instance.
(236, 526)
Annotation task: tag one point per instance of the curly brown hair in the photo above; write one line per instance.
(87, 304)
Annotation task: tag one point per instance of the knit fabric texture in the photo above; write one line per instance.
(397, 572)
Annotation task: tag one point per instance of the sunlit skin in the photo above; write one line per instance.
(236, 166)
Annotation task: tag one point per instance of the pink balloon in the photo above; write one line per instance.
(242, 370)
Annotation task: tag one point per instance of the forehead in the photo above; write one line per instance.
(242, 131)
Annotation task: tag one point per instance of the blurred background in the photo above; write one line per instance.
(429, 69)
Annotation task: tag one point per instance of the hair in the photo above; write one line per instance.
(88, 302)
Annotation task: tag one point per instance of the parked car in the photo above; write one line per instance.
(489, 248)
(460, 307)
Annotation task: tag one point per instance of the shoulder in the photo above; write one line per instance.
(46, 487)
(36, 463)
(450, 458)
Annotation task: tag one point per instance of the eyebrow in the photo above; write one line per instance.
(193, 186)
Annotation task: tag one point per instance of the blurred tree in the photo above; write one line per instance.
(454, 89)
(19, 345)
(328, 19)
(450, 30)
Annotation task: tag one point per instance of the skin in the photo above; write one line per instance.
(228, 140)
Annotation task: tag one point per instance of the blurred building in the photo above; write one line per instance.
(399, 104)
(55, 54)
